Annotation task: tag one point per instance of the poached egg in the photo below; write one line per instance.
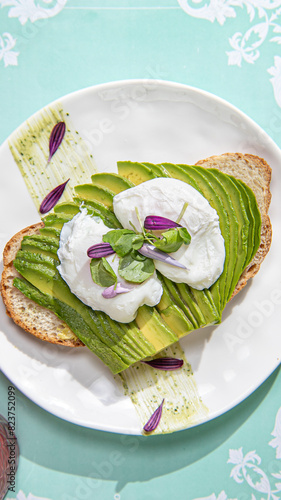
(76, 237)
(204, 256)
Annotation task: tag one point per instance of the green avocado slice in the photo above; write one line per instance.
(254, 217)
(46, 280)
(135, 172)
(75, 322)
(91, 192)
(238, 261)
(114, 182)
(194, 178)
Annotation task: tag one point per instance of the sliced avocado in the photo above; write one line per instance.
(158, 170)
(254, 217)
(166, 299)
(48, 281)
(201, 301)
(38, 257)
(154, 329)
(50, 231)
(98, 209)
(238, 258)
(68, 208)
(190, 309)
(75, 322)
(48, 240)
(56, 220)
(176, 320)
(135, 172)
(34, 293)
(40, 244)
(194, 179)
(182, 320)
(90, 192)
(124, 340)
(219, 199)
(114, 182)
(136, 337)
(130, 346)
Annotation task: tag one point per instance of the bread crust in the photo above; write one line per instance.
(31, 317)
(256, 173)
(244, 167)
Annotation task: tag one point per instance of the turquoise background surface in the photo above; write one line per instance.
(88, 42)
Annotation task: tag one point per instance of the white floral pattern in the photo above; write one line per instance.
(265, 19)
(217, 10)
(275, 71)
(248, 469)
(9, 56)
(32, 10)
(276, 442)
(25, 10)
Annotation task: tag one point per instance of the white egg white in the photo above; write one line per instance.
(204, 256)
(76, 237)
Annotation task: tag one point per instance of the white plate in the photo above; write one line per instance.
(154, 122)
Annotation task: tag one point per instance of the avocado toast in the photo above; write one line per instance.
(36, 297)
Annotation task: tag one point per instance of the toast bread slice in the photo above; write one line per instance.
(256, 173)
(31, 317)
(44, 324)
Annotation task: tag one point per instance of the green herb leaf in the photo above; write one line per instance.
(184, 235)
(123, 240)
(136, 268)
(172, 240)
(102, 272)
(137, 241)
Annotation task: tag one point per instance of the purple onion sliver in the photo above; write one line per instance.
(113, 290)
(100, 250)
(52, 198)
(154, 419)
(158, 223)
(153, 253)
(165, 363)
(56, 138)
